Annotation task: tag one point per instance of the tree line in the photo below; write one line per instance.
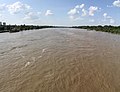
(106, 28)
(17, 28)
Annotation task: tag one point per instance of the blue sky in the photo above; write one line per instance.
(60, 12)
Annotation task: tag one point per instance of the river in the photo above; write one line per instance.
(59, 60)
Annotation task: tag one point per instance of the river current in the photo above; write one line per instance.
(59, 60)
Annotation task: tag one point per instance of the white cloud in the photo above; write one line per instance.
(116, 3)
(73, 14)
(17, 7)
(105, 15)
(92, 10)
(48, 12)
(84, 12)
(73, 11)
(79, 12)
(32, 16)
(79, 6)
(82, 5)
(108, 18)
(76, 9)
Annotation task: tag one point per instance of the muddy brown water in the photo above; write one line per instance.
(59, 60)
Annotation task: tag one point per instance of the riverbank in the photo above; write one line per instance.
(18, 28)
(109, 29)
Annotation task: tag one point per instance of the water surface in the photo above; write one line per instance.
(59, 60)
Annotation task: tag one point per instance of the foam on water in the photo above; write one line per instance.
(43, 50)
(28, 63)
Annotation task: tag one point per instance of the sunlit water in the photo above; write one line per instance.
(59, 60)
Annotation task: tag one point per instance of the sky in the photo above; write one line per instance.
(60, 12)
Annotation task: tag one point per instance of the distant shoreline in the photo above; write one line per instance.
(18, 28)
(106, 28)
